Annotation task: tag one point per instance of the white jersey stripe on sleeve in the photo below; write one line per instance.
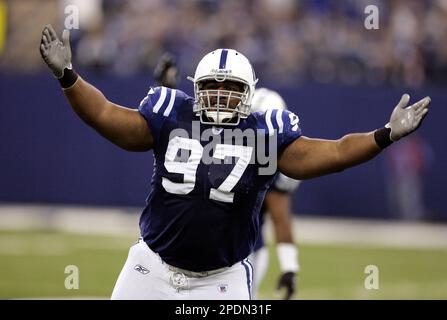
(171, 103)
(279, 121)
(161, 100)
(268, 120)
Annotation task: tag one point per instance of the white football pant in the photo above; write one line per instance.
(259, 260)
(146, 276)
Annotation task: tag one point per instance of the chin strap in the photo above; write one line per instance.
(222, 118)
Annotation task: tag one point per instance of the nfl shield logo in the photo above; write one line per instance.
(222, 288)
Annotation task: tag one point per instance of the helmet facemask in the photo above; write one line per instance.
(221, 107)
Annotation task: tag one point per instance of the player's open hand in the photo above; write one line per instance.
(166, 72)
(287, 281)
(56, 53)
(404, 120)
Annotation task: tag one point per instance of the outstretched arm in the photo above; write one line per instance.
(307, 158)
(122, 126)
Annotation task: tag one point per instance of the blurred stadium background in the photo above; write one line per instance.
(68, 197)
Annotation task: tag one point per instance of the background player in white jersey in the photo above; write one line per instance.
(277, 205)
(201, 220)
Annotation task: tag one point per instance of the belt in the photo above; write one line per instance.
(196, 274)
(188, 273)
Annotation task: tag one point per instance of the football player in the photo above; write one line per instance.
(277, 199)
(201, 219)
(277, 204)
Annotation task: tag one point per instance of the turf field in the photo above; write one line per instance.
(32, 265)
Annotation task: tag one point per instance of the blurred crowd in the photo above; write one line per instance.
(288, 41)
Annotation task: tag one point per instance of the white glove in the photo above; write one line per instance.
(403, 120)
(56, 53)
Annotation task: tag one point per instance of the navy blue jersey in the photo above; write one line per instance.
(203, 209)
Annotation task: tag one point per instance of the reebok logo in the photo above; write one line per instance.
(141, 269)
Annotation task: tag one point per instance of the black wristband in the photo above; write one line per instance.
(382, 137)
(68, 79)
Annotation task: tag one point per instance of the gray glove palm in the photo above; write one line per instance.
(56, 53)
(404, 120)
